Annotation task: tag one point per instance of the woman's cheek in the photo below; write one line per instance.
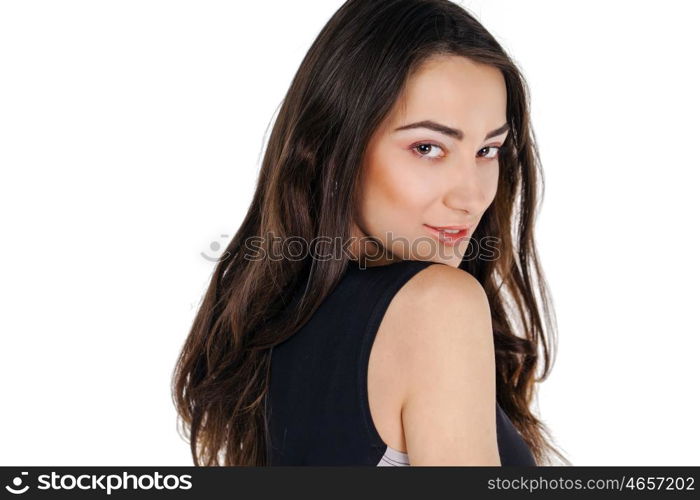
(492, 183)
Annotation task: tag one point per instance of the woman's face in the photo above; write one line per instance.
(433, 162)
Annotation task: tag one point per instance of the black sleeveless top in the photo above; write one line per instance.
(317, 409)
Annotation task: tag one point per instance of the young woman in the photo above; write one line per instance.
(405, 135)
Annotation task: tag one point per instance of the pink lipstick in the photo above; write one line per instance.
(449, 235)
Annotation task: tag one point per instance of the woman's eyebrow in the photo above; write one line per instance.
(449, 131)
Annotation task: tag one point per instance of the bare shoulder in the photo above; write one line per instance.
(442, 300)
(435, 280)
(440, 328)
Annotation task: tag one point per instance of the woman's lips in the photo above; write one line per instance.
(450, 239)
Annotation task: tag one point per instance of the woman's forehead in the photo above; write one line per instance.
(452, 90)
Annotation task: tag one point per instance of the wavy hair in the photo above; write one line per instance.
(347, 83)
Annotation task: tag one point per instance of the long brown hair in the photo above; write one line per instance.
(347, 83)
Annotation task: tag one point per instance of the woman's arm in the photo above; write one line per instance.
(447, 355)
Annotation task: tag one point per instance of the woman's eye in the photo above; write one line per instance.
(493, 153)
(424, 148)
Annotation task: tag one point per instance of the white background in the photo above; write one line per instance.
(131, 134)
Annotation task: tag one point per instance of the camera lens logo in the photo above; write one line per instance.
(17, 483)
(215, 246)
